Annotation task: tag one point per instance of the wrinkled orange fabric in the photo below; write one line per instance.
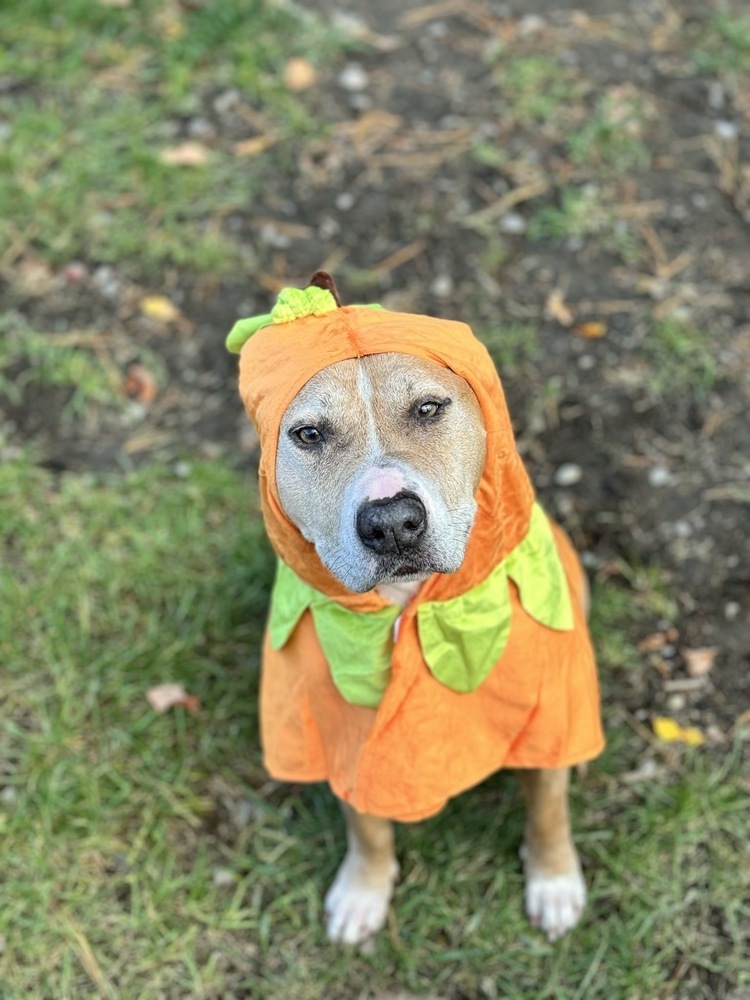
(539, 707)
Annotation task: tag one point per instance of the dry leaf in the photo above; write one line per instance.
(159, 307)
(652, 643)
(557, 309)
(699, 661)
(299, 74)
(669, 731)
(140, 384)
(162, 697)
(591, 331)
(187, 154)
(257, 144)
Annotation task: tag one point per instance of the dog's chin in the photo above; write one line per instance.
(402, 570)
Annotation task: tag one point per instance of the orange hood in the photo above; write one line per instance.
(279, 359)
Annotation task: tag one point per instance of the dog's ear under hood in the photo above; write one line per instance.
(308, 330)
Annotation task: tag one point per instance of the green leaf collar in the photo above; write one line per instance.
(462, 638)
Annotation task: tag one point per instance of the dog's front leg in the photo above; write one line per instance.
(555, 890)
(357, 903)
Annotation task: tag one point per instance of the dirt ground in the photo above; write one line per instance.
(438, 188)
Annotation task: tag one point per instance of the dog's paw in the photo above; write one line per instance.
(554, 903)
(356, 905)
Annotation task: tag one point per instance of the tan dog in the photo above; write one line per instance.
(386, 505)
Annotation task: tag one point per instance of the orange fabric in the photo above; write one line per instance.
(539, 707)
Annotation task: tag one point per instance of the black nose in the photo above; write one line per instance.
(392, 525)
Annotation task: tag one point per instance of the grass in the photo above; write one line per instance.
(147, 856)
(99, 92)
(679, 359)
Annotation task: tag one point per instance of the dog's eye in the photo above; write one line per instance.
(430, 408)
(308, 435)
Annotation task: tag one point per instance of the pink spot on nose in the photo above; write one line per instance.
(380, 483)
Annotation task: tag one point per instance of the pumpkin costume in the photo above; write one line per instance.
(492, 666)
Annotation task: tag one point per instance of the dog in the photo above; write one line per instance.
(427, 626)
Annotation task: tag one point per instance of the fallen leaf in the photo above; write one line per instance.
(140, 384)
(299, 74)
(591, 331)
(557, 309)
(257, 144)
(652, 643)
(670, 731)
(699, 661)
(159, 307)
(187, 154)
(162, 697)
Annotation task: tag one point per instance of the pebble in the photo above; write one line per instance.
(354, 77)
(442, 286)
(344, 201)
(676, 702)
(586, 362)
(105, 280)
(9, 796)
(568, 474)
(731, 610)
(223, 876)
(182, 469)
(226, 102)
(201, 128)
(6, 131)
(530, 24)
(659, 476)
(726, 130)
(716, 95)
(513, 223)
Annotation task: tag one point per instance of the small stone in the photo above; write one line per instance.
(731, 610)
(75, 272)
(676, 702)
(182, 469)
(201, 128)
(243, 813)
(716, 95)
(354, 77)
(226, 102)
(6, 131)
(683, 529)
(568, 474)
(659, 476)
(9, 796)
(726, 130)
(512, 223)
(442, 286)
(530, 24)
(668, 650)
(586, 362)
(344, 201)
(223, 877)
(105, 280)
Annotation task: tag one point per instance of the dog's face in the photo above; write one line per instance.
(377, 465)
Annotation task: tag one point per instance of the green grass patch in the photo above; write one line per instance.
(611, 137)
(536, 88)
(723, 47)
(147, 855)
(680, 359)
(99, 92)
(579, 213)
(511, 346)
